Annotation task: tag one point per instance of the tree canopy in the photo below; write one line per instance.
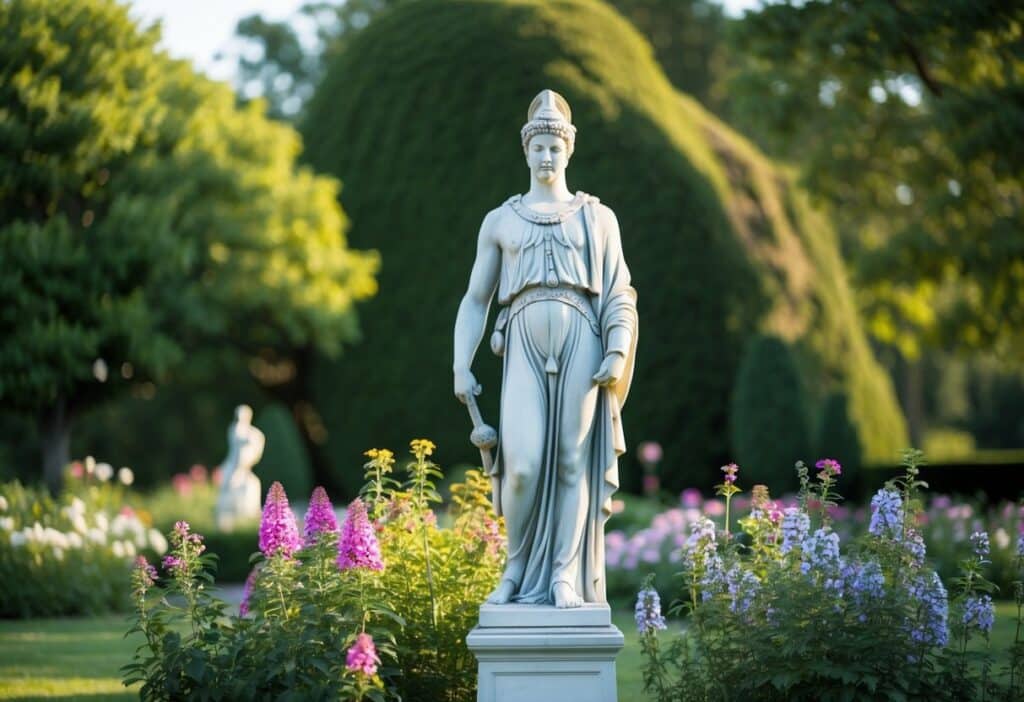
(147, 219)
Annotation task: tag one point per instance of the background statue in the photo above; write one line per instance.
(239, 498)
(567, 329)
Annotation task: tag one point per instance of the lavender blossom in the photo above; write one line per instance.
(358, 547)
(915, 547)
(980, 544)
(931, 625)
(712, 581)
(1020, 546)
(887, 515)
(795, 526)
(250, 583)
(743, 587)
(820, 552)
(319, 518)
(866, 585)
(979, 612)
(648, 611)
(362, 656)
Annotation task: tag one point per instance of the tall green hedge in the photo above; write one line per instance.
(420, 117)
(769, 423)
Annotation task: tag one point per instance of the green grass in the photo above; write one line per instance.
(80, 658)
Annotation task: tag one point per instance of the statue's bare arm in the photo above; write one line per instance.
(472, 317)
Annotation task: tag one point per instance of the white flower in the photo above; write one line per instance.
(76, 506)
(75, 540)
(90, 465)
(3, 503)
(102, 523)
(158, 541)
(18, 539)
(119, 525)
(104, 471)
(97, 536)
(129, 549)
(58, 553)
(6, 523)
(126, 476)
(78, 524)
(118, 548)
(1001, 538)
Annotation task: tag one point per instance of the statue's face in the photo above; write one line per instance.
(547, 155)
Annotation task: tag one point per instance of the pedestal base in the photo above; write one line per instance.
(537, 653)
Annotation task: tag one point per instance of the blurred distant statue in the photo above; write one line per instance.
(567, 329)
(239, 499)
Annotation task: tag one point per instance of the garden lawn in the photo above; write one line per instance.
(80, 658)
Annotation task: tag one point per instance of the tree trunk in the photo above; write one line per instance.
(55, 434)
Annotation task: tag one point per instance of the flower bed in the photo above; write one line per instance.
(785, 614)
(70, 555)
(329, 614)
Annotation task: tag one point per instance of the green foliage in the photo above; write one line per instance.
(284, 459)
(907, 120)
(768, 418)
(68, 556)
(148, 217)
(837, 438)
(718, 241)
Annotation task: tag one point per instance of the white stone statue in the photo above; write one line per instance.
(240, 494)
(567, 328)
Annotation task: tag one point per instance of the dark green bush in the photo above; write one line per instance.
(284, 458)
(420, 118)
(837, 438)
(769, 424)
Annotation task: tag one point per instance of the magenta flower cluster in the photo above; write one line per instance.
(828, 467)
(278, 531)
(362, 656)
(320, 517)
(730, 471)
(358, 547)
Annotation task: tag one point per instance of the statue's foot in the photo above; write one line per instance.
(565, 596)
(503, 593)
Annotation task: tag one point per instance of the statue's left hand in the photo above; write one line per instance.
(611, 369)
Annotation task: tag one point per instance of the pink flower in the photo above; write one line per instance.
(691, 497)
(358, 547)
(828, 467)
(147, 573)
(362, 656)
(171, 563)
(319, 518)
(250, 583)
(649, 452)
(217, 476)
(182, 484)
(197, 473)
(77, 471)
(278, 532)
(730, 471)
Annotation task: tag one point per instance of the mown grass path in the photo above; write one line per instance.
(80, 658)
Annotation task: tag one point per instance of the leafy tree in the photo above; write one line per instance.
(907, 118)
(146, 218)
(277, 66)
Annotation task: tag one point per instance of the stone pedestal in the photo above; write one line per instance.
(537, 653)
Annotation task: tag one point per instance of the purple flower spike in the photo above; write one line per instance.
(320, 517)
(250, 583)
(278, 532)
(358, 547)
(362, 656)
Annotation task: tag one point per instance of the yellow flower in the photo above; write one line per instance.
(422, 447)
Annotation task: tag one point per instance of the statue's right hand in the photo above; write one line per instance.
(465, 384)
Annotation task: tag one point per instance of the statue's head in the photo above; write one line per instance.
(243, 414)
(548, 136)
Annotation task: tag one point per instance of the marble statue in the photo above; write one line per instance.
(240, 493)
(567, 331)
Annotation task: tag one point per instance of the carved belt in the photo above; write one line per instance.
(570, 296)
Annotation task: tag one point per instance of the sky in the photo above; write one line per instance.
(200, 29)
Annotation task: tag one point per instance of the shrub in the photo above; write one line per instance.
(69, 555)
(837, 436)
(790, 617)
(767, 418)
(285, 458)
(329, 616)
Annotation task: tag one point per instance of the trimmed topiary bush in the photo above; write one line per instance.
(769, 424)
(420, 117)
(284, 458)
